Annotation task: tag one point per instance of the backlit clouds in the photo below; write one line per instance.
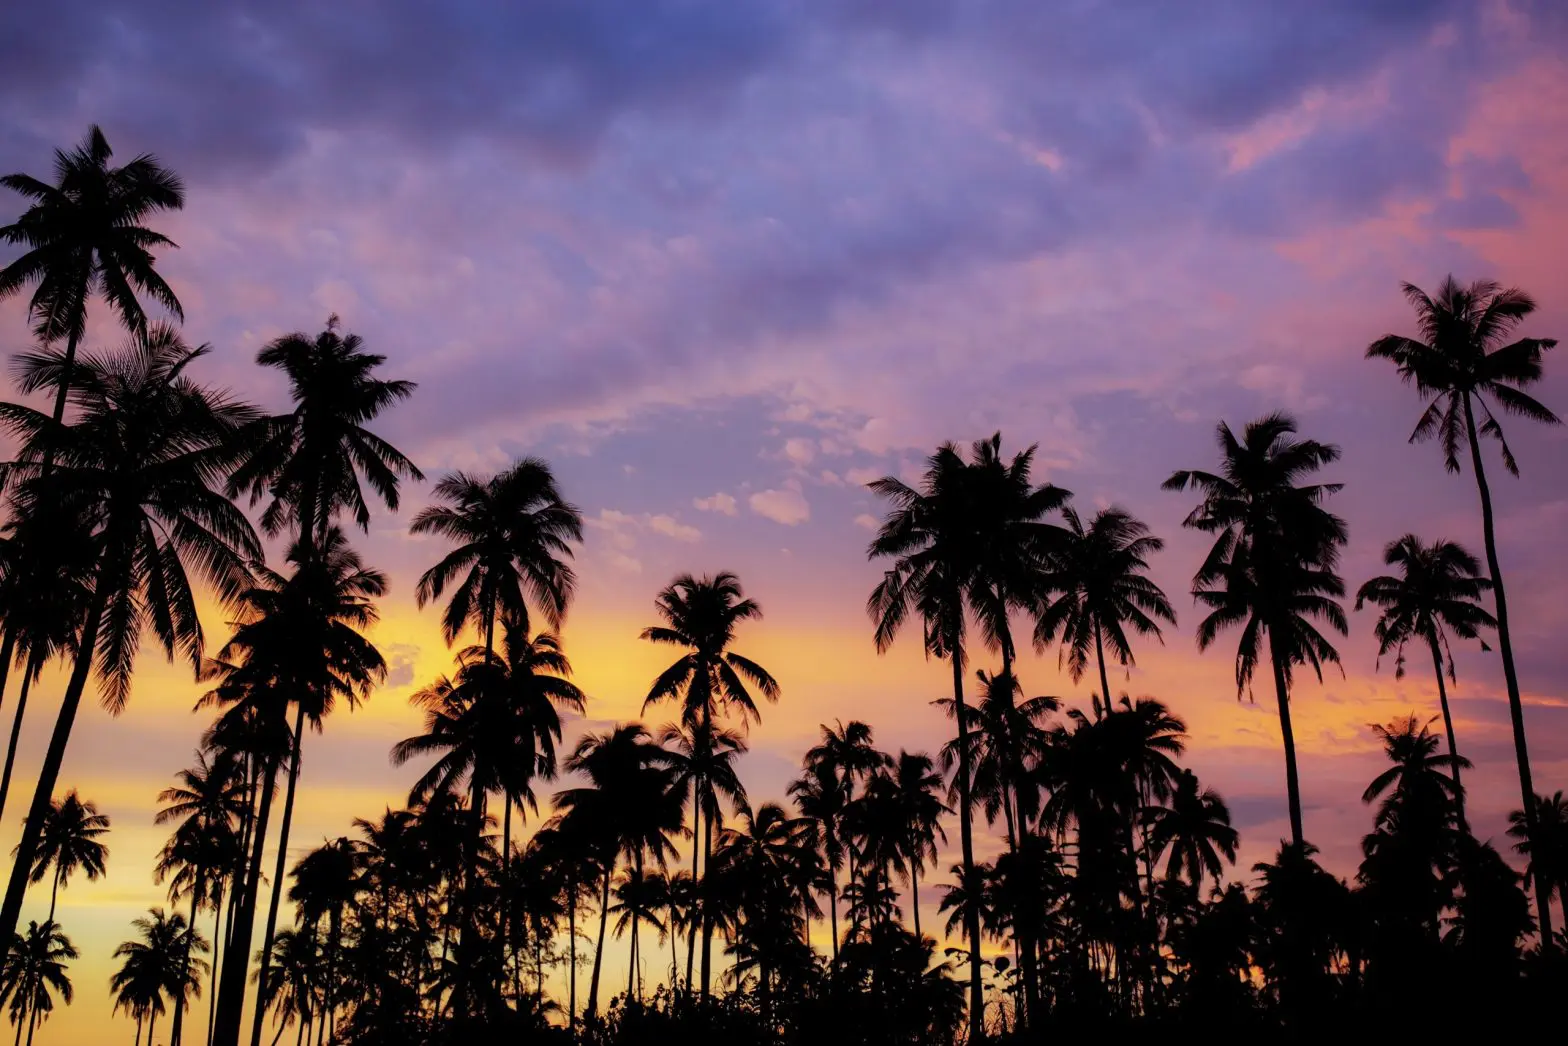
(786, 505)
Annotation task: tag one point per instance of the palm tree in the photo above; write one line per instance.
(1437, 591)
(822, 797)
(204, 851)
(1195, 830)
(1007, 740)
(1271, 568)
(83, 236)
(326, 885)
(1415, 776)
(300, 640)
(294, 992)
(70, 842)
(1461, 365)
(639, 896)
(33, 973)
(700, 615)
(1099, 573)
(309, 461)
(915, 783)
(970, 540)
(1547, 847)
(141, 461)
(158, 962)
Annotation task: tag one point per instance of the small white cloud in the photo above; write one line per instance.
(671, 527)
(721, 503)
(860, 477)
(799, 450)
(867, 520)
(831, 478)
(786, 505)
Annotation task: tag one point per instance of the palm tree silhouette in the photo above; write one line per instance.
(821, 796)
(970, 540)
(141, 459)
(33, 973)
(701, 615)
(915, 782)
(71, 841)
(83, 236)
(295, 992)
(1195, 830)
(1546, 847)
(1098, 572)
(1006, 741)
(308, 462)
(1462, 363)
(159, 962)
(1271, 568)
(326, 884)
(1437, 591)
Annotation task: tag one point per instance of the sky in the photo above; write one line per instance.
(722, 263)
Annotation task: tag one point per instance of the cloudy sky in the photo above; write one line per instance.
(722, 262)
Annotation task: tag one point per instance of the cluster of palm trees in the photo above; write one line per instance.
(444, 921)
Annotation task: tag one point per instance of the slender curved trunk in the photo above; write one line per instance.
(1105, 680)
(54, 756)
(707, 917)
(217, 949)
(54, 892)
(190, 929)
(506, 903)
(833, 910)
(279, 874)
(242, 921)
(571, 936)
(967, 846)
(1448, 728)
(598, 952)
(7, 651)
(1505, 646)
(914, 894)
(1292, 782)
(28, 675)
(695, 917)
(138, 1031)
(20, 1024)
(152, 1030)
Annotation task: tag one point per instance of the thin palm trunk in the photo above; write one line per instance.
(707, 915)
(32, 1025)
(914, 894)
(185, 962)
(598, 952)
(1448, 728)
(967, 847)
(242, 920)
(138, 1030)
(833, 910)
(1292, 782)
(54, 892)
(217, 955)
(152, 1029)
(571, 933)
(28, 675)
(279, 875)
(1505, 645)
(695, 915)
(1105, 680)
(22, 1023)
(7, 651)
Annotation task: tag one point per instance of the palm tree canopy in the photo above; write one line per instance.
(1464, 354)
(1438, 590)
(84, 235)
(34, 971)
(701, 614)
(71, 841)
(514, 534)
(1418, 774)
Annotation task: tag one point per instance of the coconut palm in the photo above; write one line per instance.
(141, 462)
(1547, 847)
(1007, 739)
(309, 461)
(294, 994)
(1098, 572)
(163, 960)
(137, 987)
(326, 885)
(821, 797)
(1271, 568)
(71, 841)
(700, 615)
(83, 236)
(639, 897)
(971, 540)
(33, 973)
(1195, 830)
(1437, 591)
(1415, 776)
(1463, 363)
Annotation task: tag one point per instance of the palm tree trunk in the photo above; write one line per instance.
(152, 1025)
(914, 894)
(217, 949)
(280, 872)
(20, 1024)
(1105, 680)
(190, 930)
(636, 932)
(138, 1031)
(506, 901)
(598, 952)
(833, 910)
(242, 920)
(7, 651)
(967, 845)
(49, 772)
(28, 675)
(694, 917)
(54, 891)
(1448, 727)
(1510, 676)
(32, 1026)
(707, 914)
(571, 944)
(1292, 782)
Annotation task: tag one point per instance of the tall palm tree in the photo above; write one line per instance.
(83, 236)
(326, 885)
(1437, 591)
(822, 797)
(1195, 830)
(1271, 569)
(33, 973)
(700, 615)
(204, 852)
(1099, 573)
(971, 540)
(1547, 847)
(309, 461)
(294, 994)
(1007, 739)
(141, 462)
(639, 897)
(138, 990)
(1462, 363)
(162, 960)
(71, 841)
(915, 783)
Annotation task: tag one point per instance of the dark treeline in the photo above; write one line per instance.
(480, 911)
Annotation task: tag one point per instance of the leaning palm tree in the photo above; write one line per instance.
(32, 973)
(970, 541)
(70, 842)
(1271, 568)
(1099, 573)
(1463, 363)
(700, 616)
(308, 462)
(142, 461)
(1437, 591)
(83, 236)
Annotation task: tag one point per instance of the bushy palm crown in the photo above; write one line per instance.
(1416, 778)
(1464, 355)
(34, 971)
(207, 801)
(143, 463)
(1007, 739)
(1438, 590)
(1195, 830)
(915, 784)
(71, 841)
(628, 804)
(309, 461)
(701, 614)
(84, 235)
(514, 534)
(164, 958)
(1271, 567)
(702, 765)
(1547, 849)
